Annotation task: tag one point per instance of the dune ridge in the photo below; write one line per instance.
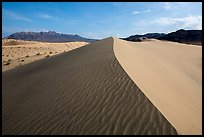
(84, 91)
(170, 75)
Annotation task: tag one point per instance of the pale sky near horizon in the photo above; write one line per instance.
(100, 19)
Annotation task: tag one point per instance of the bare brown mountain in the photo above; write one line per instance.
(181, 36)
(50, 36)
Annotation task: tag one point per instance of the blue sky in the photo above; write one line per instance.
(100, 19)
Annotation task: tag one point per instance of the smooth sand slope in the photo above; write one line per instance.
(19, 52)
(170, 75)
(84, 91)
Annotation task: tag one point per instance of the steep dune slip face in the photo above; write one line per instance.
(84, 91)
(170, 75)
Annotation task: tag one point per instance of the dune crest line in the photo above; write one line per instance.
(84, 91)
(170, 75)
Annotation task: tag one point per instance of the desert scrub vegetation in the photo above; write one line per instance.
(7, 62)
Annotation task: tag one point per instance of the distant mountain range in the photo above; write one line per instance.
(138, 38)
(182, 36)
(50, 36)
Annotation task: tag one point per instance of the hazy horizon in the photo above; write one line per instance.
(100, 19)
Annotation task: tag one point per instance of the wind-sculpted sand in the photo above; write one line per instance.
(170, 75)
(19, 52)
(84, 91)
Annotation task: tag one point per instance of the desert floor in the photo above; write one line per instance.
(18, 52)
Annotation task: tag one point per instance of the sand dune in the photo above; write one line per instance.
(84, 91)
(19, 52)
(170, 75)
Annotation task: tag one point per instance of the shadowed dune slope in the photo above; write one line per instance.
(84, 91)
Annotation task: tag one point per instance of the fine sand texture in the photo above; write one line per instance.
(170, 75)
(84, 91)
(19, 52)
